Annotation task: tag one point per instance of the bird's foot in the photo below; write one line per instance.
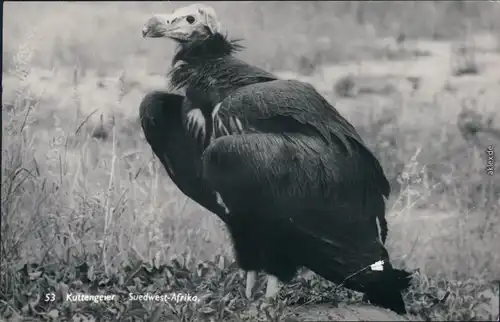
(270, 305)
(251, 279)
(272, 288)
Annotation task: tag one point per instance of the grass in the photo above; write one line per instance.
(87, 208)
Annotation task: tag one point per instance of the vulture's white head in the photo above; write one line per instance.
(192, 22)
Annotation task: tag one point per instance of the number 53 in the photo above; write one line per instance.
(51, 297)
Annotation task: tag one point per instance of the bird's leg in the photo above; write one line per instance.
(251, 279)
(272, 288)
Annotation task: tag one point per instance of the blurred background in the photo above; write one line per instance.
(419, 80)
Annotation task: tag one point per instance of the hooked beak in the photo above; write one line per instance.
(157, 27)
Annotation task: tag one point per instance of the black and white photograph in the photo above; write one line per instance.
(250, 161)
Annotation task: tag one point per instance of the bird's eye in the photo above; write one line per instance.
(190, 19)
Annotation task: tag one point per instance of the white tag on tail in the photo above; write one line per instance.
(378, 266)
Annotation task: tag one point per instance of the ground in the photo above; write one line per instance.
(87, 208)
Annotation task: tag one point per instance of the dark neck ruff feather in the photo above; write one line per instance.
(198, 53)
(211, 47)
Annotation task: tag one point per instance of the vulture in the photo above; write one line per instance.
(297, 185)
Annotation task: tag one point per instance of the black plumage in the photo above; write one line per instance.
(162, 123)
(209, 73)
(300, 186)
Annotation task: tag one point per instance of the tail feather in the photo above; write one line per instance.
(386, 292)
(401, 279)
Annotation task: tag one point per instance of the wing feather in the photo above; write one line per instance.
(161, 118)
(296, 176)
(293, 99)
(286, 106)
